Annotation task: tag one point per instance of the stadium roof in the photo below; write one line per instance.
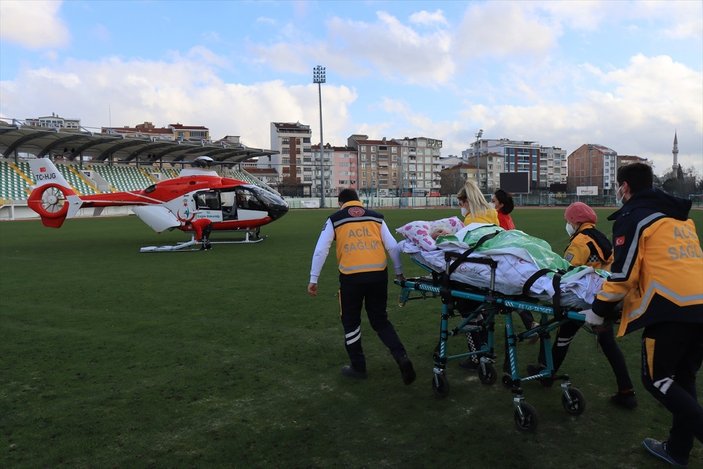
(73, 144)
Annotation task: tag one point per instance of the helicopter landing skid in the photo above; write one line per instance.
(187, 246)
(250, 237)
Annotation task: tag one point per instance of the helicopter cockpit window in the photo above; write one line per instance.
(207, 201)
(248, 200)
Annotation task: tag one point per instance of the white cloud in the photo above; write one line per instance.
(428, 18)
(117, 92)
(265, 20)
(101, 32)
(387, 46)
(33, 24)
(503, 29)
(577, 15)
(633, 110)
(679, 19)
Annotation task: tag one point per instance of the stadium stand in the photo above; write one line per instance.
(14, 185)
(164, 172)
(246, 177)
(79, 182)
(123, 178)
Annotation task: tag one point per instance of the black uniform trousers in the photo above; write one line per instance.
(672, 353)
(369, 289)
(606, 340)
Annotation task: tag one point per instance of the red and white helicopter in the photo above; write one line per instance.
(198, 201)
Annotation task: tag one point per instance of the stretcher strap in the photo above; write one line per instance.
(556, 299)
(533, 278)
(556, 285)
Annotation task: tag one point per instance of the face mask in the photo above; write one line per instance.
(570, 229)
(618, 197)
(464, 211)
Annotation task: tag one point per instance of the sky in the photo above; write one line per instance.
(623, 74)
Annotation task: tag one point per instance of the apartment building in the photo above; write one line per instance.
(343, 167)
(377, 165)
(391, 167)
(488, 167)
(174, 132)
(54, 122)
(420, 165)
(190, 133)
(545, 165)
(294, 162)
(552, 167)
(592, 165)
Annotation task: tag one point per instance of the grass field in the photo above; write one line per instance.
(111, 358)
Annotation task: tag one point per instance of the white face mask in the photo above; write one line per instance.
(570, 229)
(464, 211)
(618, 197)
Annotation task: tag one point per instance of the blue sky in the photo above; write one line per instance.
(624, 74)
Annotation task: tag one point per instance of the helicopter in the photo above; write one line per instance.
(198, 201)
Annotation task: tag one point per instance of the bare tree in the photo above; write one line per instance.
(450, 182)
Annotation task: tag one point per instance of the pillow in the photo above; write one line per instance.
(421, 233)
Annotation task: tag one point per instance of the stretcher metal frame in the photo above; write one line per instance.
(482, 320)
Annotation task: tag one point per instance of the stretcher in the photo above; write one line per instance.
(476, 309)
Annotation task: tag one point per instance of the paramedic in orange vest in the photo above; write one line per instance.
(589, 246)
(658, 274)
(362, 238)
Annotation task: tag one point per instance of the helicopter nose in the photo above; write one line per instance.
(277, 211)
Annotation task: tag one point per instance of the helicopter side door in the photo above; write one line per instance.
(208, 205)
(228, 204)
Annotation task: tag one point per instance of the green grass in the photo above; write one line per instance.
(113, 358)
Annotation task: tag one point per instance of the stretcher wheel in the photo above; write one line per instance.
(525, 418)
(440, 385)
(507, 380)
(577, 404)
(489, 376)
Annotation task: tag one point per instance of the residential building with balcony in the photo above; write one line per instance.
(342, 169)
(295, 161)
(545, 165)
(190, 133)
(54, 122)
(420, 165)
(174, 132)
(377, 165)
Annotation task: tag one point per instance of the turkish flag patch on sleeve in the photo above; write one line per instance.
(620, 241)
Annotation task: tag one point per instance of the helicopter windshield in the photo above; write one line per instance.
(265, 200)
(269, 198)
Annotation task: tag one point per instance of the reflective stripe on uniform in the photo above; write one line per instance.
(356, 219)
(649, 348)
(361, 268)
(632, 250)
(353, 336)
(656, 287)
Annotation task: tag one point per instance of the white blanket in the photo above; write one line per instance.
(515, 266)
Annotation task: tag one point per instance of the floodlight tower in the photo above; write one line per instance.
(318, 76)
(479, 134)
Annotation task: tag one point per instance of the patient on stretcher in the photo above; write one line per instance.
(519, 256)
(425, 233)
